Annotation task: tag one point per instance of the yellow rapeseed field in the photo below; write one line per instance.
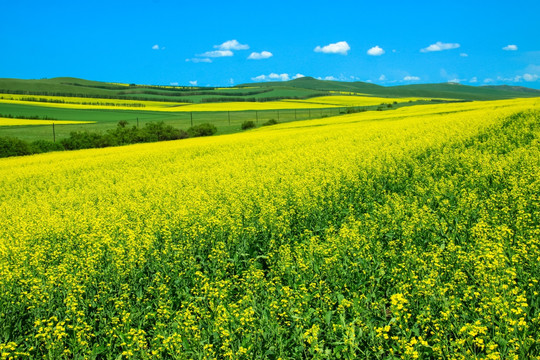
(321, 102)
(141, 105)
(350, 100)
(69, 102)
(17, 122)
(412, 233)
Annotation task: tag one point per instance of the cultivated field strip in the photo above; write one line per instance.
(141, 105)
(31, 122)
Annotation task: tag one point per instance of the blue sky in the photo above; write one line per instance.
(231, 42)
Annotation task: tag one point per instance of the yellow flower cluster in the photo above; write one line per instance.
(355, 100)
(18, 122)
(145, 105)
(413, 233)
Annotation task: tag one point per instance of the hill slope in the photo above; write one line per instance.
(298, 88)
(443, 90)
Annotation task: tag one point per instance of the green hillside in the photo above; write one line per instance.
(305, 87)
(444, 90)
(84, 88)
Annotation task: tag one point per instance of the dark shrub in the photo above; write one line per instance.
(158, 131)
(42, 146)
(202, 130)
(353, 110)
(82, 140)
(122, 135)
(13, 147)
(270, 122)
(248, 125)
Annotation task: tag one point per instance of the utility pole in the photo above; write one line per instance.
(53, 133)
(229, 115)
(137, 123)
(191, 114)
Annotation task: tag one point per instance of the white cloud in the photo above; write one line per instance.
(174, 83)
(464, 55)
(488, 80)
(440, 46)
(456, 80)
(272, 76)
(530, 77)
(261, 55)
(517, 78)
(298, 76)
(331, 78)
(199, 60)
(340, 47)
(375, 51)
(382, 78)
(473, 80)
(217, 53)
(510, 48)
(282, 77)
(411, 78)
(231, 45)
(193, 83)
(155, 47)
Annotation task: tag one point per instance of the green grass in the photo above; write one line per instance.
(226, 122)
(108, 119)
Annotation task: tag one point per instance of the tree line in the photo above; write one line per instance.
(26, 117)
(123, 134)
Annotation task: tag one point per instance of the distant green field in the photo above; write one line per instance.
(226, 122)
(86, 88)
(108, 119)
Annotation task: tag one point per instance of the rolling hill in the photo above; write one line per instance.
(443, 90)
(301, 88)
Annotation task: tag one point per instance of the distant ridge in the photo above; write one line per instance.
(511, 88)
(300, 88)
(442, 90)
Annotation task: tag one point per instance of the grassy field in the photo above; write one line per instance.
(96, 114)
(108, 119)
(99, 106)
(411, 233)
